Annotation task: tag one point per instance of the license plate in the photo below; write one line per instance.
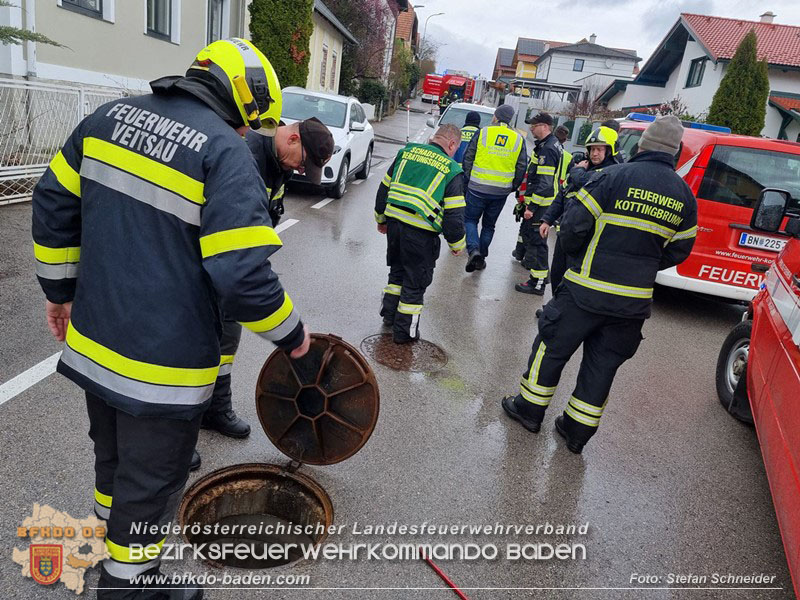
(761, 242)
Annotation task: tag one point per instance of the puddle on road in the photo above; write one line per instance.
(421, 356)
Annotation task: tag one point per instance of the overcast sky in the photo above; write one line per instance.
(470, 31)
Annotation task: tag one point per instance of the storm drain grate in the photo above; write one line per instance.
(421, 356)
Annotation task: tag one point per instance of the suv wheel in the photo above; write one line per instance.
(338, 189)
(363, 173)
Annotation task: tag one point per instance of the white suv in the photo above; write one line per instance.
(352, 133)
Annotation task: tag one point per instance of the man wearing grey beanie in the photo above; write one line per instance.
(628, 223)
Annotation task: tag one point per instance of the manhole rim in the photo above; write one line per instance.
(218, 477)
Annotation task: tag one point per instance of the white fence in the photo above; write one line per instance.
(35, 121)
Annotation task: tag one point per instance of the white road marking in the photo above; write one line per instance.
(323, 203)
(28, 378)
(285, 225)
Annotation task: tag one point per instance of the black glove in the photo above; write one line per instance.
(519, 211)
(276, 211)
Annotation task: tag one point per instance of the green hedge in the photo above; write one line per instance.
(282, 29)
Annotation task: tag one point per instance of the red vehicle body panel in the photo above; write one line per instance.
(433, 86)
(717, 256)
(773, 385)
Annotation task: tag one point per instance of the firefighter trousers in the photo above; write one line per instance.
(411, 256)
(535, 258)
(229, 343)
(141, 467)
(607, 343)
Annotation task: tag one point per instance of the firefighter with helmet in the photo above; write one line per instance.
(148, 225)
(600, 146)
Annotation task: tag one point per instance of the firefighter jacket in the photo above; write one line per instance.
(467, 133)
(563, 167)
(152, 219)
(424, 188)
(542, 183)
(495, 161)
(626, 224)
(578, 177)
(273, 175)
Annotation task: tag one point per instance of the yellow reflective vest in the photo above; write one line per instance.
(496, 157)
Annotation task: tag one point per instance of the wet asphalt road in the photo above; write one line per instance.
(670, 484)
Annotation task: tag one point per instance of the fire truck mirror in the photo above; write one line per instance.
(770, 210)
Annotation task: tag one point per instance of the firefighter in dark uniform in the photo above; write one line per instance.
(148, 225)
(600, 145)
(421, 196)
(472, 125)
(304, 146)
(541, 189)
(627, 223)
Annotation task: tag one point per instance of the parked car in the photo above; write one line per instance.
(353, 135)
(758, 370)
(726, 174)
(456, 114)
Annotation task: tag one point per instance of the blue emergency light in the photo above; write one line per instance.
(641, 117)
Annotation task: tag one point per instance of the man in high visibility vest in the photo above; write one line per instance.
(421, 196)
(627, 223)
(472, 125)
(494, 167)
(541, 190)
(148, 225)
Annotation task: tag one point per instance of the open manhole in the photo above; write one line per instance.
(319, 409)
(421, 356)
(271, 511)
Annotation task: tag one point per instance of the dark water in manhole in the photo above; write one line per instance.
(259, 543)
(421, 356)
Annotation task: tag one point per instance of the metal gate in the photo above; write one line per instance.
(35, 121)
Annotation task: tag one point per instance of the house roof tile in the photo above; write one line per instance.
(779, 44)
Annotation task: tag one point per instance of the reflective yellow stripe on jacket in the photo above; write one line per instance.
(143, 179)
(136, 379)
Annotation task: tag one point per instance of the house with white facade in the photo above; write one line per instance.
(692, 59)
(565, 74)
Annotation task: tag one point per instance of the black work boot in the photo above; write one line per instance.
(195, 464)
(532, 286)
(474, 258)
(519, 409)
(518, 255)
(227, 423)
(573, 446)
(481, 263)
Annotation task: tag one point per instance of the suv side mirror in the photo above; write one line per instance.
(430, 123)
(770, 210)
(358, 127)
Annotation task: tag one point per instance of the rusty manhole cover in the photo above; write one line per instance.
(421, 356)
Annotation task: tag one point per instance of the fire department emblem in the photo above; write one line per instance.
(501, 141)
(46, 562)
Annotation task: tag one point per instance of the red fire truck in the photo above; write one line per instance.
(758, 370)
(435, 85)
